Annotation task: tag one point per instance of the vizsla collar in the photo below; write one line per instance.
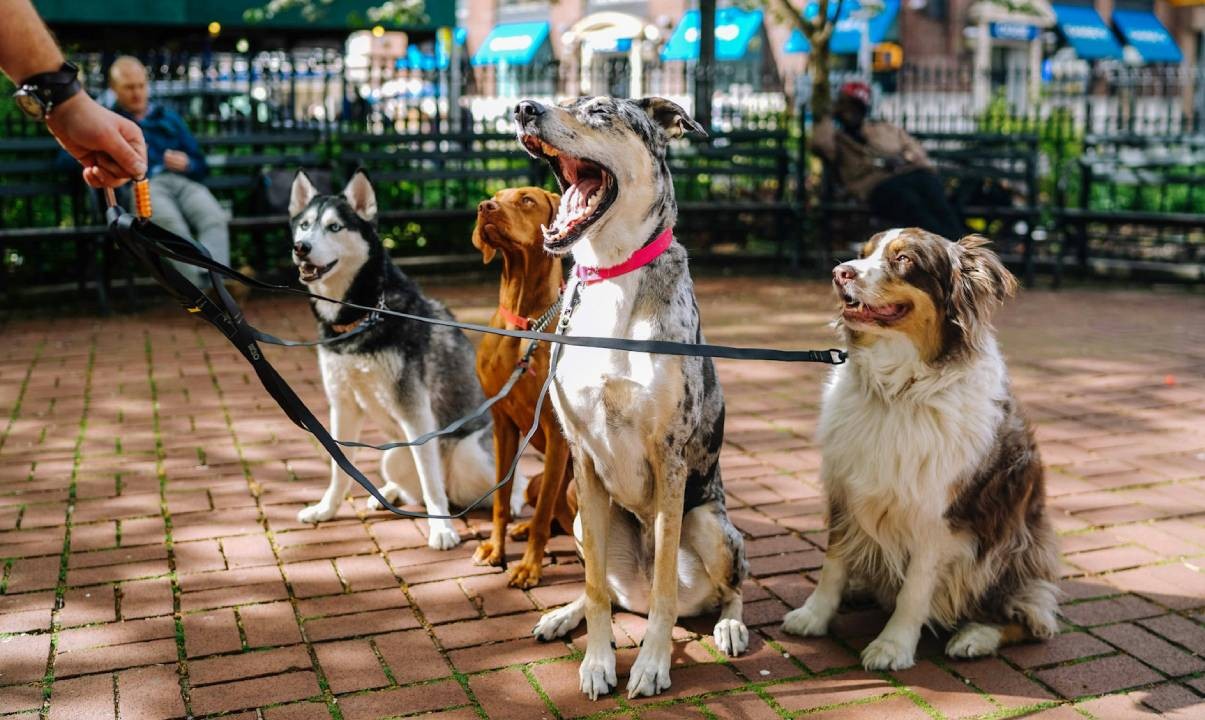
(517, 320)
(525, 323)
(640, 258)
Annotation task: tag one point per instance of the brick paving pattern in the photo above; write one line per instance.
(151, 565)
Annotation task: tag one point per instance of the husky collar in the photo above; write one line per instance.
(645, 255)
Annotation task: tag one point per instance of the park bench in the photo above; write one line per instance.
(47, 219)
(425, 180)
(246, 174)
(991, 181)
(1139, 206)
(733, 191)
(426, 175)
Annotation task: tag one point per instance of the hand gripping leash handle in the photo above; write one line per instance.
(142, 198)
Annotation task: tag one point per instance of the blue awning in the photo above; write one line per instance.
(416, 59)
(1148, 36)
(512, 43)
(734, 30)
(1013, 31)
(847, 37)
(1086, 32)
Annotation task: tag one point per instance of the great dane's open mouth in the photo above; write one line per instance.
(588, 188)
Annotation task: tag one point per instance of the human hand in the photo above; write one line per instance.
(176, 161)
(110, 147)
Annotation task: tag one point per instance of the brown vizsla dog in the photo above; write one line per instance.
(509, 225)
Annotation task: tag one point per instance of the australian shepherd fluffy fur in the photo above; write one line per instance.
(935, 487)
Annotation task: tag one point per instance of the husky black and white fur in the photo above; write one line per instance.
(408, 377)
(645, 430)
(934, 482)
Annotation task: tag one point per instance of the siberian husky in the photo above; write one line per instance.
(409, 377)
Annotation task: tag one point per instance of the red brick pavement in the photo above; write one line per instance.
(151, 565)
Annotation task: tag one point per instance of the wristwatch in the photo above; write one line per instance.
(40, 94)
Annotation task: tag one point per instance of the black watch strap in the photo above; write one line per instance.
(55, 86)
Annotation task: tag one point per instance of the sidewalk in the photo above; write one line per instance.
(151, 565)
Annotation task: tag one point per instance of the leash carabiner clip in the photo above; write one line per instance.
(837, 356)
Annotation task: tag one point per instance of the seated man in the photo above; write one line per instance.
(884, 166)
(175, 165)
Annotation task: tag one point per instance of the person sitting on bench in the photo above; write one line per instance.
(883, 166)
(175, 166)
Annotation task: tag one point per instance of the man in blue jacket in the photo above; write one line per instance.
(175, 165)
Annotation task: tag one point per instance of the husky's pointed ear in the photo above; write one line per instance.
(303, 192)
(360, 194)
(670, 116)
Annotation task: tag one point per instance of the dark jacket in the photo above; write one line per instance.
(887, 151)
(165, 130)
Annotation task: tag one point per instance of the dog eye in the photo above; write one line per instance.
(334, 227)
(305, 225)
(528, 201)
(903, 259)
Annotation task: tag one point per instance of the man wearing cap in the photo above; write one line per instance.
(884, 166)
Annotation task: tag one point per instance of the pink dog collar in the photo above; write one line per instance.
(640, 258)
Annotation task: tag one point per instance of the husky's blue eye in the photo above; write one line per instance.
(305, 225)
(334, 227)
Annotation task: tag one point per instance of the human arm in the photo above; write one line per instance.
(110, 148)
(913, 152)
(187, 159)
(824, 138)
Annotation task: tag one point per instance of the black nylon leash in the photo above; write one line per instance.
(164, 244)
(226, 316)
(151, 244)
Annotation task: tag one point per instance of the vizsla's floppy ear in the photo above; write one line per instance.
(554, 203)
(360, 195)
(670, 116)
(481, 243)
(303, 192)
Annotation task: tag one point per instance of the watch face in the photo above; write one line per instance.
(30, 104)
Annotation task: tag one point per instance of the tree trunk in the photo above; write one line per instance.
(819, 33)
(822, 92)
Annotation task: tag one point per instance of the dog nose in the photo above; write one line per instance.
(843, 274)
(487, 206)
(528, 110)
(302, 249)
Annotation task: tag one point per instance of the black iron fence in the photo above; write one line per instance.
(1117, 149)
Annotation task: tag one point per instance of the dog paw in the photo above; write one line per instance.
(389, 492)
(443, 537)
(488, 554)
(805, 621)
(520, 530)
(597, 674)
(317, 513)
(650, 672)
(974, 640)
(731, 636)
(557, 623)
(1042, 624)
(525, 574)
(885, 654)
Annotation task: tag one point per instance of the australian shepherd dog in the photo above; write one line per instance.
(934, 483)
